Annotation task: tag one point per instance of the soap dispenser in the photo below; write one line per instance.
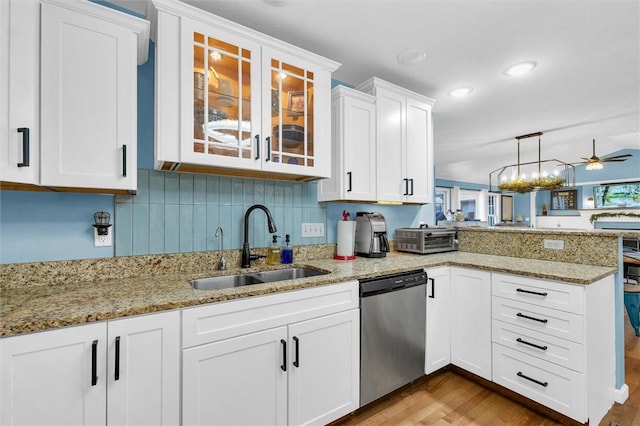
(287, 251)
(274, 253)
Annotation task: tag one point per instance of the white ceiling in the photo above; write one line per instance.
(586, 85)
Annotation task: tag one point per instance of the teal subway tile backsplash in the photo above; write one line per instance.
(179, 213)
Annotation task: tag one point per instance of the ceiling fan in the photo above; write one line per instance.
(595, 162)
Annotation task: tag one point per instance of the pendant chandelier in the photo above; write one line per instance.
(534, 175)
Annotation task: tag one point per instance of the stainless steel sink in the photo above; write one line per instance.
(287, 274)
(227, 281)
(237, 280)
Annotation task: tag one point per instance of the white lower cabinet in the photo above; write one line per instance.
(553, 343)
(77, 375)
(471, 320)
(438, 339)
(288, 358)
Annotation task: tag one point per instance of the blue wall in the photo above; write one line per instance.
(171, 212)
(628, 170)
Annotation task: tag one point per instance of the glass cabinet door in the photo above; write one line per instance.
(223, 96)
(292, 116)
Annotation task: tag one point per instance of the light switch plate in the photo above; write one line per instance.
(554, 244)
(312, 230)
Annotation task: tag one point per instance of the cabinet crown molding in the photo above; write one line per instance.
(181, 9)
(375, 82)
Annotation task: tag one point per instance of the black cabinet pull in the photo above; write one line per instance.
(94, 363)
(433, 288)
(543, 384)
(25, 146)
(268, 140)
(257, 138)
(124, 160)
(411, 192)
(296, 363)
(521, 290)
(521, 315)
(524, 342)
(283, 367)
(116, 374)
(406, 186)
(350, 182)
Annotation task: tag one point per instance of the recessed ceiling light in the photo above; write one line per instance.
(461, 92)
(520, 69)
(411, 56)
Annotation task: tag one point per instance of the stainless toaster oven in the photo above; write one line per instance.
(426, 240)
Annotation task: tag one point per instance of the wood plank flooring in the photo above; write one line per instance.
(446, 398)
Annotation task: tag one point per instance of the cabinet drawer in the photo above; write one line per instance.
(549, 348)
(551, 321)
(558, 388)
(210, 323)
(550, 294)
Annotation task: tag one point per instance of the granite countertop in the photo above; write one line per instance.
(36, 308)
(555, 231)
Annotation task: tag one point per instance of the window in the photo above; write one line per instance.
(469, 202)
(442, 202)
(492, 209)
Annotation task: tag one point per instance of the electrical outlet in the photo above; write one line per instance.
(312, 230)
(102, 240)
(554, 244)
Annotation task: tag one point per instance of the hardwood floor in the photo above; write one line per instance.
(447, 398)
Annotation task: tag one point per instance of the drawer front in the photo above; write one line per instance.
(549, 294)
(561, 324)
(540, 345)
(556, 387)
(218, 321)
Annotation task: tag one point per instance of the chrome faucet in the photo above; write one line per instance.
(247, 257)
(222, 265)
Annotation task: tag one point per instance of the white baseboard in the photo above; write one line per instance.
(621, 395)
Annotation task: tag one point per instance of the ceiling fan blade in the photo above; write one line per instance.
(608, 160)
(615, 157)
(586, 159)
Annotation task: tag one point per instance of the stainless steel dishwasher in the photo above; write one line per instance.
(392, 332)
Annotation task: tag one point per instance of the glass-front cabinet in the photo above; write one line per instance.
(245, 101)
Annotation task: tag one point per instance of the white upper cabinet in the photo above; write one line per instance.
(230, 100)
(353, 137)
(404, 143)
(19, 88)
(71, 82)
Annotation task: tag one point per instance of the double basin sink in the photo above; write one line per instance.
(249, 278)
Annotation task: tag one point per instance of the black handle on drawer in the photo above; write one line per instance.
(116, 374)
(25, 146)
(411, 192)
(268, 139)
(257, 138)
(94, 363)
(124, 160)
(433, 288)
(283, 367)
(524, 342)
(350, 182)
(521, 315)
(537, 293)
(296, 363)
(406, 186)
(543, 384)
